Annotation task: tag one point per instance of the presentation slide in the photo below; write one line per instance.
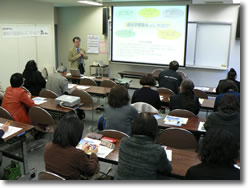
(149, 34)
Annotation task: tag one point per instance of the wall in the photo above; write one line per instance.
(26, 12)
(89, 21)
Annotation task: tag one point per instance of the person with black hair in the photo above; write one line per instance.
(146, 94)
(77, 55)
(227, 116)
(226, 87)
(186, 99)
(61, 155)
(231, 75)
(118, 113)
(170, 78)
(218, 153)
(17, 99)
(34, 81)
(140, 158)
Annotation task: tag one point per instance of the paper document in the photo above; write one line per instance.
(70, 86)
(161, 97)
(11, 130)
(201, 127)
(214, 90)
(169, 154)
(201, 101)
(176, 121)
(202, 88)
(157, 116)
(102, 150)
(39, 100)
(83, 87)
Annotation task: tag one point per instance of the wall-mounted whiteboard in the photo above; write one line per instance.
(20, 43)
(208, 45)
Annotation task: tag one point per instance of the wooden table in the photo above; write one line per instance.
(131, 74)
(99, 80)
(211, 91)
(22, 138)
(98, 90)
(182, 160)
(51, 105)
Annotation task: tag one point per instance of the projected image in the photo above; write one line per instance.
(150, 35)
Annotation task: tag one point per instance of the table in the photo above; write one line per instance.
(98, 90)
(51, 105)
(97, 79)
(211, 90)
(22, 137)
(182, 160)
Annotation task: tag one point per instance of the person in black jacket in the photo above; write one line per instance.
(231, 75)
(146, 94)
(34, 81)
(186, 99)
(170, 78)
(218, 153)
(227, 116)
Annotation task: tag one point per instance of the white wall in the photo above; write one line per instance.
(39, 48)
(84, 20)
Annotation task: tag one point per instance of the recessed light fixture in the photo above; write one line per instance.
(91, 3)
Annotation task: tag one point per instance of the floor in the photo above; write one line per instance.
(35, 158)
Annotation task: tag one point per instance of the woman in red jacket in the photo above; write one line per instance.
(17, 99)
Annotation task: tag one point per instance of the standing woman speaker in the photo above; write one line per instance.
(77, 55)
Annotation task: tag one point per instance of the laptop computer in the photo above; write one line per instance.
(75, 73)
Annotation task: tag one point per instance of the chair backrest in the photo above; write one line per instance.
(44, 73)
(201, 94)
(87, 81)
(156, 72)
(46, 93)
(178, 138)
(114, 134)
(108, 83)
(165, 91)
(41, 119)
(182, 74)
(144, 107)
(49, 176)
(85, 97)
(182, 113)
(5, 114)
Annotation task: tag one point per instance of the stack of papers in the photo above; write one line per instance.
(201, 101)
(202, 88)
(39, 100)
(83, 87)
(102, 150)
(12, 130)
(201, 127)
(176, 121)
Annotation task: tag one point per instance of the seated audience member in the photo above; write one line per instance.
(186, 99)
(34, 81)
(146, 94)
(118, 113)
(61, 155)
(170, 78)
(231, 75)
(1, 93)
(140, 158)
(17, 99)
(218, 153)
(58, 83)
(226, 87)
(227, 116)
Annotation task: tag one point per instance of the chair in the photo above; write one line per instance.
(178, 138)
(201, 94)
(46, 93)
(108, 83)
(87, 101)
(156, 72)
(44, 73)
(88, 82)
(114, 134)
(182, 113)
(41, 119)
(182, 74)
(49, 176)
(5, 114)
(144, 107)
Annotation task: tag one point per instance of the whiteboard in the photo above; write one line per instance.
(208, 45)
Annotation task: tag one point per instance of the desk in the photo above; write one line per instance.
(131, 74)
(22, 137)
(51, 105)
(98, 80)
(98, 90)
(182, 160)
(211, 90)
(207, 103)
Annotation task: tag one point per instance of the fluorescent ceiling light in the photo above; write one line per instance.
(91, 3)
(236, 1)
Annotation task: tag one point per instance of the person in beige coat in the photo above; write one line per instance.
(77, 55)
